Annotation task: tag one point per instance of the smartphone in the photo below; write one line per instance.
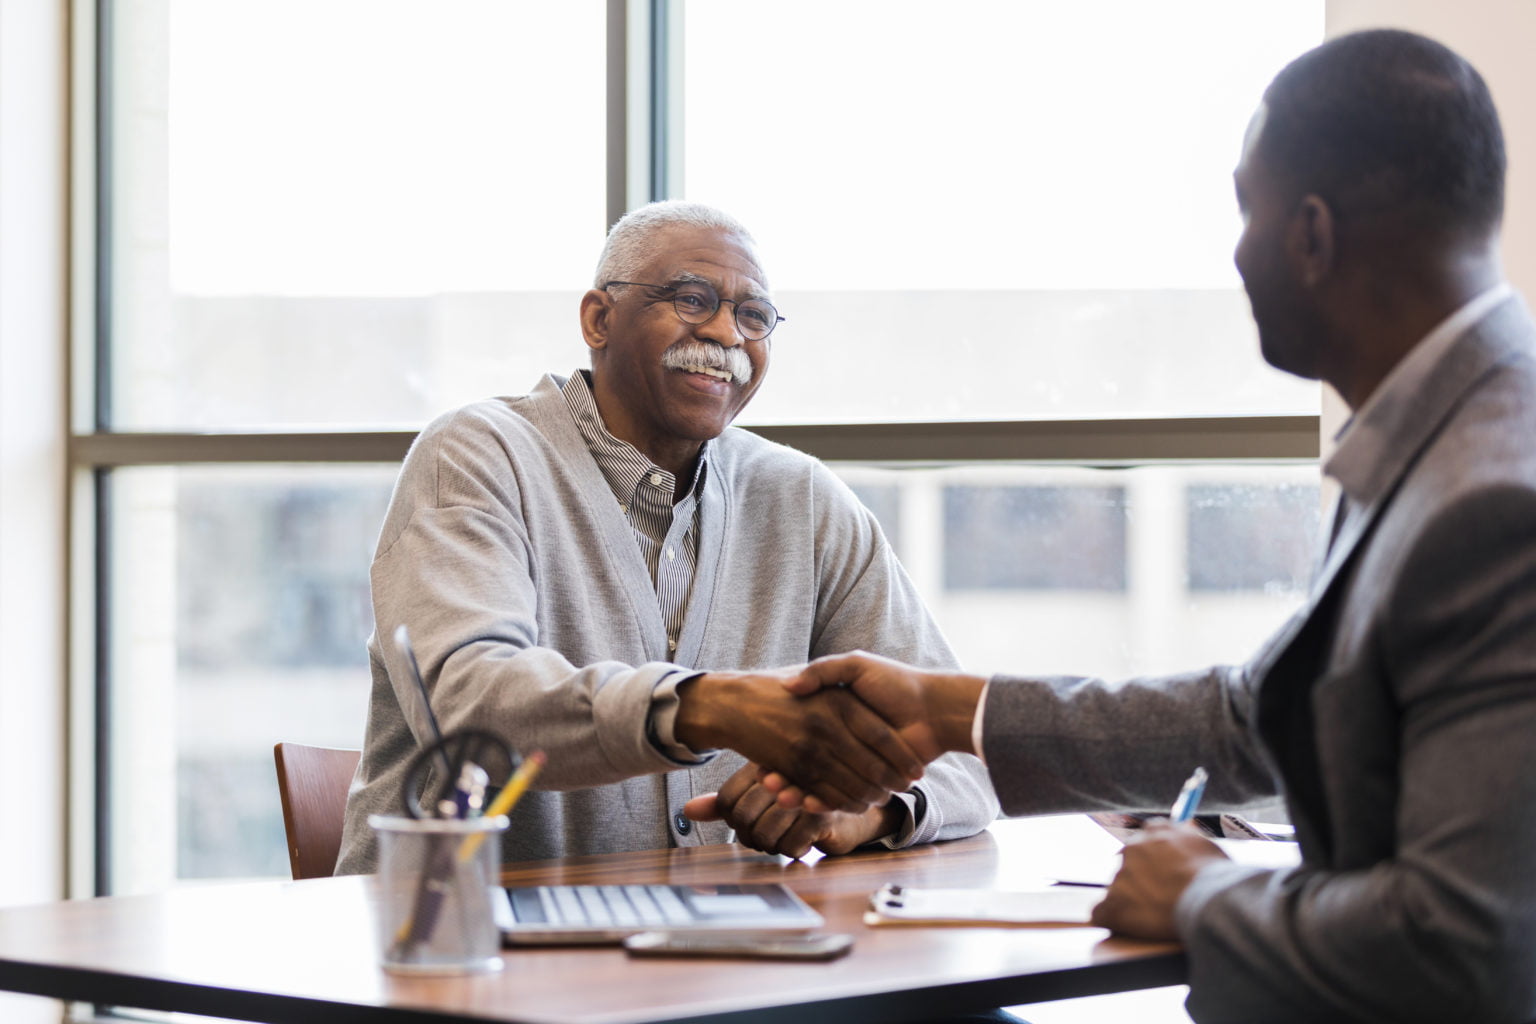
(758, 945)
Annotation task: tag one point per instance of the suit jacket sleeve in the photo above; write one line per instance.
(1443, 927)
(1060, 744)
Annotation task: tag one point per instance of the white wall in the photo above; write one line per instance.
(33, 343)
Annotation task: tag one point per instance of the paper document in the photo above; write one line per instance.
(1261, 854)
(1056, 904)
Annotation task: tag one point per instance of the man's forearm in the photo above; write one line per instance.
(702, 701)
(952, 699)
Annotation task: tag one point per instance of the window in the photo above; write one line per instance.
(996, 210)
(996, 233)
(239, 607)
(314, 216)
(1108, 572)
(1013, 537)
(347, 213)
(1277, 526)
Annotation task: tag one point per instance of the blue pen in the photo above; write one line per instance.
(1189, 797)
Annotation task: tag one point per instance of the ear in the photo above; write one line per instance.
(1311, 241)
(596, 306)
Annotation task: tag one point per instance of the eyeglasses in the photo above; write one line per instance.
(697, 303)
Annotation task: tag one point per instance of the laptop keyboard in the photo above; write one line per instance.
(625, 906)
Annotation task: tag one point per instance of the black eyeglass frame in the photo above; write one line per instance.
(675, 289)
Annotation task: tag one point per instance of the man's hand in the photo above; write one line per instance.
(1156, 867)
(931, 711)
(762, 824)
(830, 743)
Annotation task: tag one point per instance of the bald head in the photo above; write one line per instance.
(1389, 124)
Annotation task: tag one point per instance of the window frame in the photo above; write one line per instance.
(644, 143)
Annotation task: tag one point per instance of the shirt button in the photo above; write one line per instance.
(655, 479)
(671, 645)
(684, 826)
(671, 554)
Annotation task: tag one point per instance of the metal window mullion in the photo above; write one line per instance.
(644, 104)
(657, 91)
(101, 478)
(101, 370)
(616, 114)
(629, 121)
(1087, 442)
(666, 99)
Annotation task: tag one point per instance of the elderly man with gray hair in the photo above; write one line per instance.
(570, 562)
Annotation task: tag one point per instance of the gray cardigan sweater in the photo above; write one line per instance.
(532, 614)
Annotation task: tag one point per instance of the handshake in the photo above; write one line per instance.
(829, 741)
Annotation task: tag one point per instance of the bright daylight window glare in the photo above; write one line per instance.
(350, 213)
(362, 213)
(994, 210)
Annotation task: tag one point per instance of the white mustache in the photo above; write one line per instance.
(697, 355)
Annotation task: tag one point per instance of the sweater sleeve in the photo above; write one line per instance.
(454, 562)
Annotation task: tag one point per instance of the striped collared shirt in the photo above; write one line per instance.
(667, 533)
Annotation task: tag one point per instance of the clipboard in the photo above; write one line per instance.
(1048, 905)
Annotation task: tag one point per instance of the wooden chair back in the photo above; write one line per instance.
(313, 783)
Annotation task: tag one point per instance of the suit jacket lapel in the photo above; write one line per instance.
(1286, 672)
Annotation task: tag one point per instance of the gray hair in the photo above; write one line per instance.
(632, 241)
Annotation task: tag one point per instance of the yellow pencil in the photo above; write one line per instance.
(508, 796)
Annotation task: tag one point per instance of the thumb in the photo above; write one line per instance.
(818, 675)
(804, 684)
(703, 808)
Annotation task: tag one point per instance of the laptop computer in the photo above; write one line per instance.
(607, 914)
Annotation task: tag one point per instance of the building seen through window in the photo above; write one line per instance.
(1032, 577)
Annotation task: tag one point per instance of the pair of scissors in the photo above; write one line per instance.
(474, 757)
(465, 760)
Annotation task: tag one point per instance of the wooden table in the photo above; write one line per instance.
(304, 951)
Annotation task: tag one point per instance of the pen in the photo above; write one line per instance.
(1189, 797)
(437, 876)
(468, 793)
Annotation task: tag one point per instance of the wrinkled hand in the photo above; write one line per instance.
(761, 824)
(1156, 867)
(830, 743)
(931, 711)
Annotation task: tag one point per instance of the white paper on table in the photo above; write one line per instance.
(1048, 904)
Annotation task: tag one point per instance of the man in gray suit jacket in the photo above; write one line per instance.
(1396, 712)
